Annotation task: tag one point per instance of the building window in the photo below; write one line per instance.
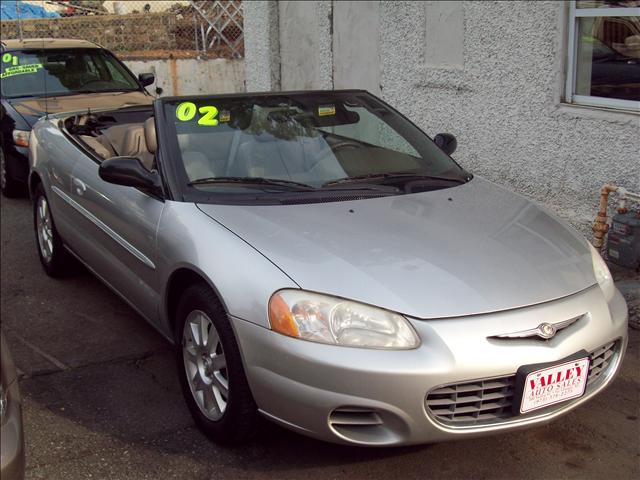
(603, 67)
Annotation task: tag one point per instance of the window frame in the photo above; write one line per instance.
(572, 46)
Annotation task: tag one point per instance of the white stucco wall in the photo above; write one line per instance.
(192, 76)
(305, 45)
(504, 104)
(500, 95)
(356, 31)
(262, 45)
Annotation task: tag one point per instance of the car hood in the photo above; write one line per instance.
(472, 249)
(34, 108)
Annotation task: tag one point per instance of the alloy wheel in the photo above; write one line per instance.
(44, 229)
(205, 365)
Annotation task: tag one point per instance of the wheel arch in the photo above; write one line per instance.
(34, 181)
(178, 282)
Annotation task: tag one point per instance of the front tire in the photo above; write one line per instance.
(210, 368)
(55, 259)
(9, 187)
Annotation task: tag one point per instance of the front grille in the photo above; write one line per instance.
(600, 361)
(489, 401)
(473, 402)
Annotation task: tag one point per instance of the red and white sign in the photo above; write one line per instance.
(555, 384)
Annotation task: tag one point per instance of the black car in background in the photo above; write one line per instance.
(613, 74)
(40, 76)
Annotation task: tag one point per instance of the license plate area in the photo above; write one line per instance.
(545, 384)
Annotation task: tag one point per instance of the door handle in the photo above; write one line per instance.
(79, 186)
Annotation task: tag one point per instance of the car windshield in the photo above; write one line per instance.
(62, 72)
(303, 143)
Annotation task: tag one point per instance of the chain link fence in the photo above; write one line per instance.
(134, 29)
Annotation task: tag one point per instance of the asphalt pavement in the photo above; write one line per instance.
(102, 400)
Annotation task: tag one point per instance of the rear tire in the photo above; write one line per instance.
(210, 369)
(9, 187)
(55, 259)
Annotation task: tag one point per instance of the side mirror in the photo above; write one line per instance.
(447, 142)
(128, 171)
(146, 79)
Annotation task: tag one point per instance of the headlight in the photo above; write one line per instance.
(602, 274)
(321, 318)
(21, 138)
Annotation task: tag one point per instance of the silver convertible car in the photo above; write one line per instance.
(320, 261)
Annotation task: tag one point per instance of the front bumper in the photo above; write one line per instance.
(375, 397)
(17, 163)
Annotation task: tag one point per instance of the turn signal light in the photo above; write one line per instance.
(281, 317)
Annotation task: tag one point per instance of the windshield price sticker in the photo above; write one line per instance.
(208, 115)
(324, 110)
(8, 58)
(21, 69)
(15, 68)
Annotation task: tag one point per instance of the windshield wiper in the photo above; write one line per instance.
(25, 96)
(253, 181)
(110, 90)
(387, 176)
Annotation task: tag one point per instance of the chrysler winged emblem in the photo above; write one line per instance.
(544, 331)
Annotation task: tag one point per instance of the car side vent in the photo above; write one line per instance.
(367, 426)
(354, 416)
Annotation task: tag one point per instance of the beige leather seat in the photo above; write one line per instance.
(150, 138)
(140, 140)
(129, 140)
(97, 146)
(304, 159)
(196, 163)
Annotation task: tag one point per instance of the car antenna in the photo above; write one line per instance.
(44, 78)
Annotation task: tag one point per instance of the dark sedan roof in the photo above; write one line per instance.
(46, 43)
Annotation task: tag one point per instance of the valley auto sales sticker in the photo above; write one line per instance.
(556, 384)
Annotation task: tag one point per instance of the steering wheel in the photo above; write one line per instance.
(94, 81)
(344, 144)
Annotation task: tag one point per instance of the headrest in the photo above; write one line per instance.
(150, 135)
(132, 142)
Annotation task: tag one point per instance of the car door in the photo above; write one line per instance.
(53, 158)
(118, 227)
